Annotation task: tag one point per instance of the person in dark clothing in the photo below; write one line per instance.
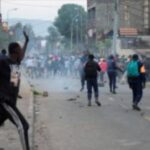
(112, 72)
(136, 82)
(91, 68)
(8, 91)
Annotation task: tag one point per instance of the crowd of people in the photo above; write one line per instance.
(92, 71)
(98, 70)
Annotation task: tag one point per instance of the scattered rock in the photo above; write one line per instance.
(72, 99)
(142, 114)
(60, 117)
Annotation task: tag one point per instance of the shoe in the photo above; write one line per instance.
(98, 103)
(135, 107)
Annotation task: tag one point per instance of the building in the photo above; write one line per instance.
(133, 14)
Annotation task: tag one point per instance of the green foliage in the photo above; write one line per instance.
(4, 36)
(71, 18)
(104, 46)
(53, 39)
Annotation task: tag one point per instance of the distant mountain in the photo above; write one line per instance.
(40, 27)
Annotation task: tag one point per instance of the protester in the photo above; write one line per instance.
(8, 93)
(91, 69)
(112, 73)
(136, 80)
(103, 65)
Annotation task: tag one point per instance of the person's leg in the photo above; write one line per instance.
(89, 91)
(137, 95)
(110, 81)
(96, 91)
(19, 121)
(139, 92)
(134, 94)
(114, 82)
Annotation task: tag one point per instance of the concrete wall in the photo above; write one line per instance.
(131, 14)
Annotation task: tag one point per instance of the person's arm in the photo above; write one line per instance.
(98, 67)
(118, 68)
(25, 45)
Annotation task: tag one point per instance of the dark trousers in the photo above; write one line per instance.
(13, 114)
(112, 81)
(137, 90)
(92, 84)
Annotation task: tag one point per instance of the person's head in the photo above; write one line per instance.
(91, 57)
(4, 52)
(135, 57)
(15, 50)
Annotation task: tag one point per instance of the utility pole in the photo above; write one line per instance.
(115, 28)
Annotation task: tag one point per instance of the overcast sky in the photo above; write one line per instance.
(35, 9)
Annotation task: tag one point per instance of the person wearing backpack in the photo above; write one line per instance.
(136, 80)
(91, 68)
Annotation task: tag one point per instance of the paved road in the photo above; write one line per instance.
(69, 124)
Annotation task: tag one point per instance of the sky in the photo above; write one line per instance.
(35, 9)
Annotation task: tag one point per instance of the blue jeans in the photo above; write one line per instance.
(92, 84)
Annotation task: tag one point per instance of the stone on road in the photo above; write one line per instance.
(65, 122)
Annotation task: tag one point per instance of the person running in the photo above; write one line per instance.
(91, 68)
(136, 80)
(8, 94)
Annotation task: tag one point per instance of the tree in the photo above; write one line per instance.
(53, 38)
(71, 20)
(16, 32)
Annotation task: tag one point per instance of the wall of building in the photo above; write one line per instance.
(132, 14)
